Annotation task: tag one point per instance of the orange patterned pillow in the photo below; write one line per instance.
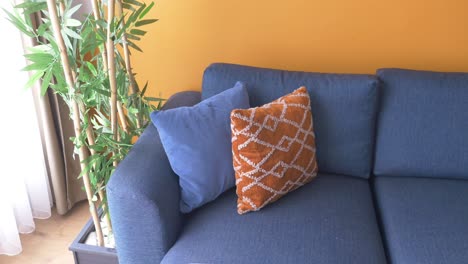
(273, 150)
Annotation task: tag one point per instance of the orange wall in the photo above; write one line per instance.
(353, 36)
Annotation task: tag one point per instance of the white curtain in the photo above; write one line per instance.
(24, 189)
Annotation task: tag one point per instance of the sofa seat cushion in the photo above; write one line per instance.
(424, 220)
(331, 220)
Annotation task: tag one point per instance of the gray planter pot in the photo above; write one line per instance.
(88, 254)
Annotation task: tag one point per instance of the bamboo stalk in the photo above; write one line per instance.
(62, 8)
(89, 195)
(97, 16)
(128, 66)
(96, 13)
(103, 197)
(83, 154)
(92, 142)
(111, 67)
(122, 118)
(133, 87)
(101, 192)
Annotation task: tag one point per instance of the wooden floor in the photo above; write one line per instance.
(49, 243)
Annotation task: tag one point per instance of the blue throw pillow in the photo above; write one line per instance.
(197, 141)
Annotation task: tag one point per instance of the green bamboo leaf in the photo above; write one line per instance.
(87, 32)
(70, 22)
(42, 28)
(84, 77)
(101, 91)
(71, 33)
(133, 2)
(33, 79)
(125, 27)
(66, 40)
(145, 22)
(144, 89)
(130, 36)
(30, 4)
(57, 71)
(101, 34)
(40, 7)
(159, 106)
(19, 23)
(154, 99)
(45, 82)
(137, 32)
(133, 110)
(133, 45)
(34, 67)
(128, 7)
(133, 17)
(97, 147)
(101, 23)
(121, 30)
(35, 7)
(24, 5)
(96, 127)
(116, 143)
(53, 44)
(147, 9)
(40, 57)
(44, 48)
(72, 11)
(103, 120)
(40, 61)
(91, 68)
(119, 22)
(86, 169)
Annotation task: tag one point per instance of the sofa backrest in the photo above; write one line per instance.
(344, 109)
(422, 124)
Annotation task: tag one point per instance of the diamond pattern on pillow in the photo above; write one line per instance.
(273, 150)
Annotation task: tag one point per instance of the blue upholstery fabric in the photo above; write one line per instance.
(425, 220)
(186, 98)
(144, 198)
(344, 109)
(197, 141)
(423, 124)
(330, 220)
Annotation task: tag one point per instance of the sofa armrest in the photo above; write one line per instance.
(144, 195)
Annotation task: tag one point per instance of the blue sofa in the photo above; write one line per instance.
(392, 187)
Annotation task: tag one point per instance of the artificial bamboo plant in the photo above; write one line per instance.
(88, 64)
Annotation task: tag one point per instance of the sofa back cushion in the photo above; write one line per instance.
(423, 124)
(344, 108)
